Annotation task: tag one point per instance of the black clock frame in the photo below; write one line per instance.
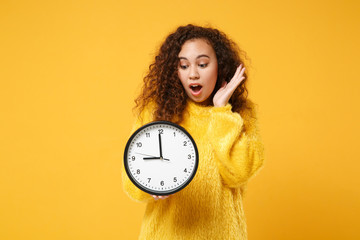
(153, 192)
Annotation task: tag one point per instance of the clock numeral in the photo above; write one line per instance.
(185, 143)
(189, 156)
(185, 170)
(162, 183)
(133, 158)
(175, 180)
(139, 144)
(147, 134)
(149, 179)
(174, 134)
(161, 131)
(138, 171)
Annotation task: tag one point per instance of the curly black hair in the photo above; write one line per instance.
(163, 86)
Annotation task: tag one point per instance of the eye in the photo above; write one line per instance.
(183, 66)
(203, 65)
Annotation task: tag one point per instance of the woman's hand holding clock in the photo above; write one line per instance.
(159, 197)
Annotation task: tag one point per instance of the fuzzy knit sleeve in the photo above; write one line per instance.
(238, 148)
(129, 188)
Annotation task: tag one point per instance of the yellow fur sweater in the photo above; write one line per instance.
(210, 207)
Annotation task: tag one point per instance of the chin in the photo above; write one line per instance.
(203, 102)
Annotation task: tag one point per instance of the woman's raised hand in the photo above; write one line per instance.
(224, 93)
(159, 197)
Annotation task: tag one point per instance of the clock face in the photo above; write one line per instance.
(161, 158)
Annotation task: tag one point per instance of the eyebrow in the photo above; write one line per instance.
(202, 55)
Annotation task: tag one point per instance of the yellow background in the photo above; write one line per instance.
(70, 70)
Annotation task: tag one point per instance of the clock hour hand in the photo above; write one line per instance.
(150, 157)
(155, 158)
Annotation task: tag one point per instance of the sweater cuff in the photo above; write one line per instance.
(224, 125)
(226, 116)
(225, 108)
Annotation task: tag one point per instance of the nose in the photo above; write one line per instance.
(194, 74)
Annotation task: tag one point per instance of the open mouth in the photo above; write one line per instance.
(195, 88)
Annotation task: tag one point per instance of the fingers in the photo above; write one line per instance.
(238, 77)
(226, 90)
(159, 197)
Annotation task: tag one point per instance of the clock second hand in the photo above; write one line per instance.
(144, 154)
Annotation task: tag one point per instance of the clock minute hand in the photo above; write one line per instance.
(160, 146)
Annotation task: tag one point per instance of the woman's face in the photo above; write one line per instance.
(198, 69)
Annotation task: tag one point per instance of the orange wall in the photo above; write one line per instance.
(69, 72)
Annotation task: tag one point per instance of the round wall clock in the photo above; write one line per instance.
(161, 158)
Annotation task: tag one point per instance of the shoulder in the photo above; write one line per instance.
(249, 113)
(146, 113)
(249, 109)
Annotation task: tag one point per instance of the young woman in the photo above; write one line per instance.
(198, 81)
